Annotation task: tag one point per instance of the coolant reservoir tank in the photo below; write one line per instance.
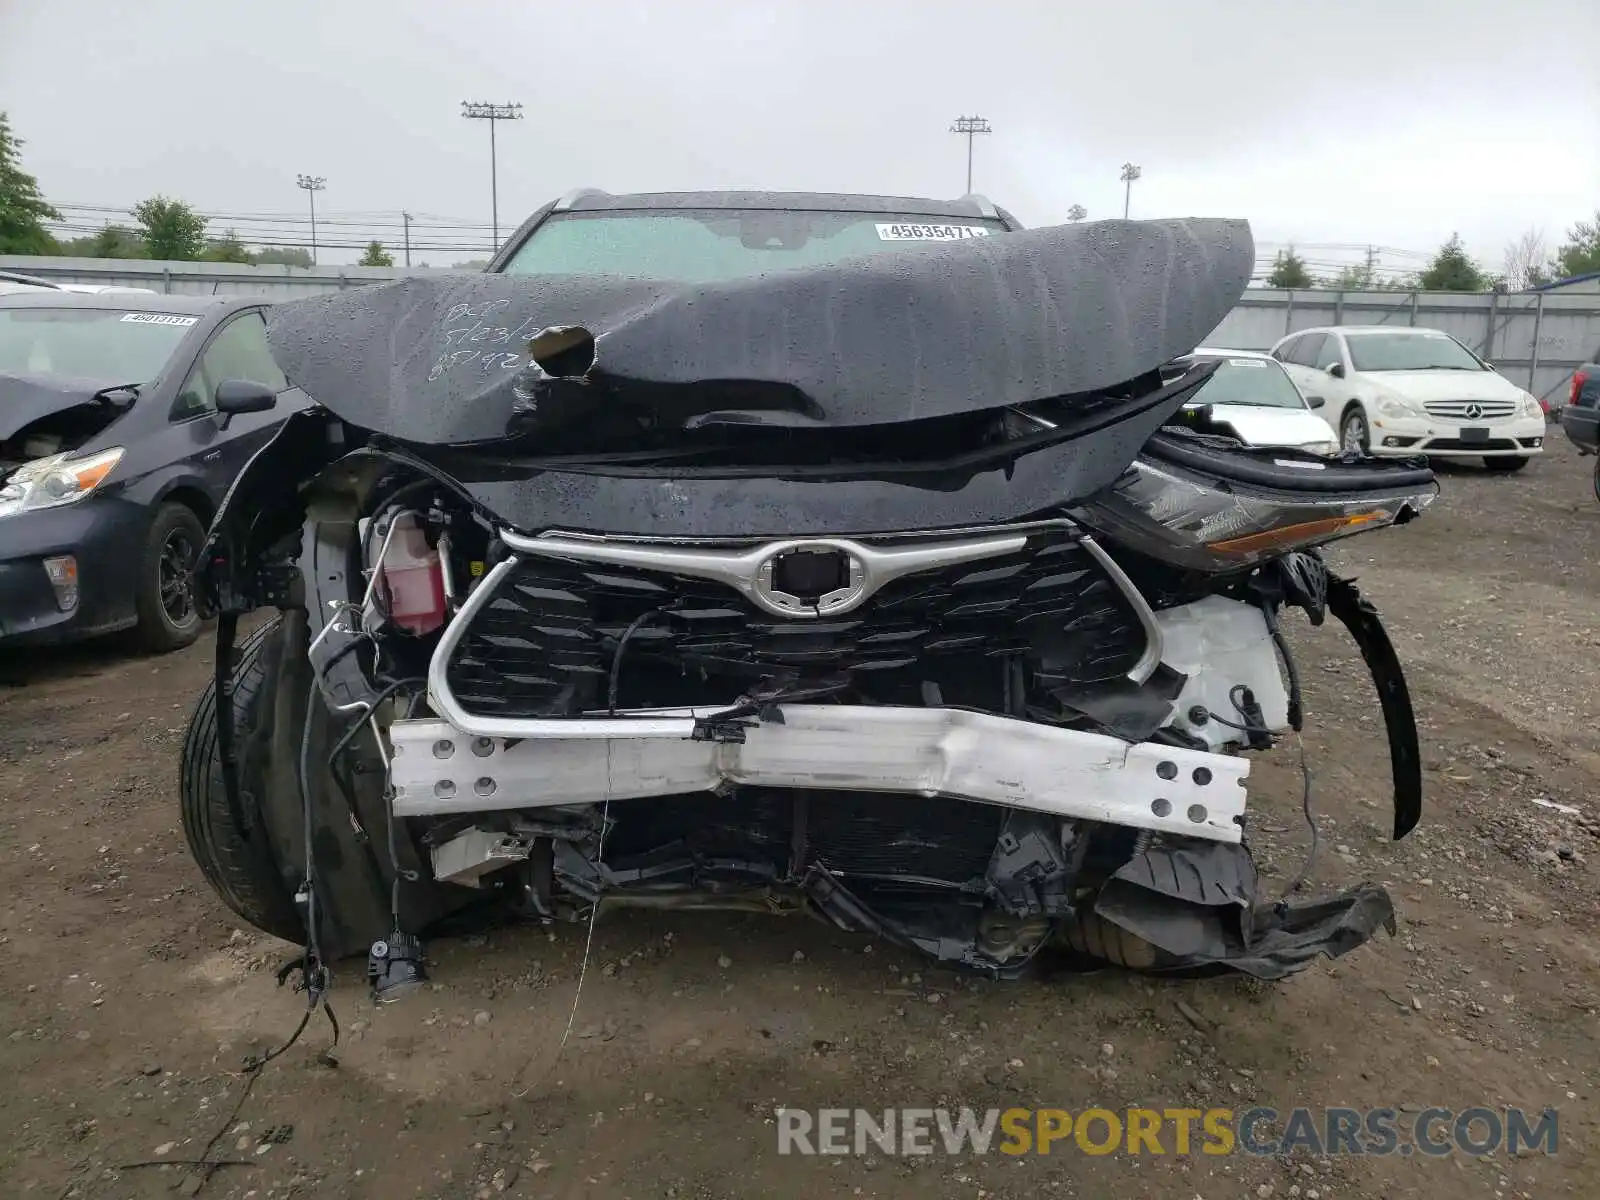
(413, 579)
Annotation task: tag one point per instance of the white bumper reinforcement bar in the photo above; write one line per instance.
(440, 770)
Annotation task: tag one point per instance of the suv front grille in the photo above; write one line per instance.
(543, 644)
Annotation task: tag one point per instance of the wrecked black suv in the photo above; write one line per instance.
(811, 552)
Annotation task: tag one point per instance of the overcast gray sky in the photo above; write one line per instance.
(1392, 122)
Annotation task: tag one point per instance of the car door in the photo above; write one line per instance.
(1580, 417)
(218, 447)
(1331, 372)
(1300, 363)
(1299, 355)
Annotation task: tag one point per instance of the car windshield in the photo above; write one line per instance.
(708, 245)
(1255, 381)
(1409, 352)
(89, 343)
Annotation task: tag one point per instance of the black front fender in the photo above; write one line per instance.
(262, 506)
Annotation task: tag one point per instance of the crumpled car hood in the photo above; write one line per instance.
(25, 399)
(920, 333)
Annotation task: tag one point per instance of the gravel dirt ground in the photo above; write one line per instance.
(130, 996)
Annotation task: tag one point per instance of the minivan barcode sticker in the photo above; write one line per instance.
(160, 319)
(929, 233)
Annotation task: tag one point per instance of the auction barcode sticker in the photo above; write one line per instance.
(929, 233)
(160, 319)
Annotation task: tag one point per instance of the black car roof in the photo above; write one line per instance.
(592, 199)
(129, 301)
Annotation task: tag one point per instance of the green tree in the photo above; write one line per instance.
(23, 209)
(284, 256)
(376, 256)
(171, 229)
(1289, 271)
(114, 241)
(1581, 252)
(228, 249)
(1452, 271)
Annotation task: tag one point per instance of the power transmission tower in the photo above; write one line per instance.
(312, 185)
(475, 110)
(971, 127)
(1129, 174)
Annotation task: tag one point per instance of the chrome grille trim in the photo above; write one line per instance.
(735, 568)
(1456, 410)
(741, 570)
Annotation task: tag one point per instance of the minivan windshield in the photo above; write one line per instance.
(89, 343)
(710, 245)
(1409, 352)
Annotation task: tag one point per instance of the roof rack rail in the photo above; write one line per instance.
(985, 205)
(573, 197)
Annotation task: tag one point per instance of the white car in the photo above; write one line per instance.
(1409, 391)
(1255, 399)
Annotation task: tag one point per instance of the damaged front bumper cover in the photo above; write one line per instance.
(440, 770)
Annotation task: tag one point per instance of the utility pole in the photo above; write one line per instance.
(475, 110)
(406, 217)
(1129, 174)
(1372, 265)
(971, 127)
(312, 185)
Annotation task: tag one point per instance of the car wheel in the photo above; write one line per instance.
(238, 864)
(1504, 465)
(164, 595)
(1354, 436)
(1597, 477)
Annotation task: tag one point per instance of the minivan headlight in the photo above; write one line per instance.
(55, 481)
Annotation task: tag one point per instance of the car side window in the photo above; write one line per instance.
(237, 351)
(1330, 353)
(1285, 352)
(1305, 354)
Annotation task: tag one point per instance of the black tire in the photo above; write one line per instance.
(242, 871)
(1597, 478)
(163, 595)
(1505, 466)
(1354, 433)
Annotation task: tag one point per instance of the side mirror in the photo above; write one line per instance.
(242, 396)
(1336, 370)
(1315, 401)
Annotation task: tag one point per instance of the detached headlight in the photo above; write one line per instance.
(54, 481)
(1530, 407)
(1162, 512)
(1393, 407)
